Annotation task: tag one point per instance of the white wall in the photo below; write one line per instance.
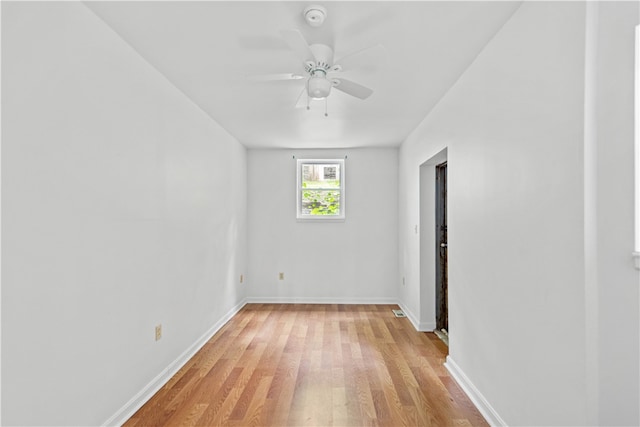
(350, 261)
(618, 307)
(124, 206)
(513, 127)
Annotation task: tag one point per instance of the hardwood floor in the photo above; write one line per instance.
(313, 365)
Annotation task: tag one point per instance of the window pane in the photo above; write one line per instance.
(321, 202)
(321, 176)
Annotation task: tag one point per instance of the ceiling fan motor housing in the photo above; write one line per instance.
(323, 55)
(318, 86)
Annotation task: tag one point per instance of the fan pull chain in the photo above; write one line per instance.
(325, 107)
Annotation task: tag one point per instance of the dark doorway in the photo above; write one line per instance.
(442, 310)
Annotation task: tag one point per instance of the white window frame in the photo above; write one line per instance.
(636, 253)
(307, 217)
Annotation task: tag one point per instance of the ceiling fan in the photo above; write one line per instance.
(321, 71)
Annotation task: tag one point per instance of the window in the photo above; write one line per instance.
(320, 189)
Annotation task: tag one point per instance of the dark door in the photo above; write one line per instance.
(442, 310)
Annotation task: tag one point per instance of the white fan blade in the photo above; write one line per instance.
(351, 88)
(303, 98)
(275, 77)
(362, 58)
(296, 42)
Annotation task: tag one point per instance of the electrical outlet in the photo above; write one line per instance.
(158, 332)
(241, 278)
(281, 276)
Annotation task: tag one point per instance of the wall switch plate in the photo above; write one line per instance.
(158, 332)
(281, 276)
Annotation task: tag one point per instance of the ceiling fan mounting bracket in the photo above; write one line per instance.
(314, 15)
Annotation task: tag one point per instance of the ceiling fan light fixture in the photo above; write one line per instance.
(319, 87)
(318, 62)
(315, 15)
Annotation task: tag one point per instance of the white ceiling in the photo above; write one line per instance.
(207, 49)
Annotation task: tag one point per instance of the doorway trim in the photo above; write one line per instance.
(427, 312)
(442, 317)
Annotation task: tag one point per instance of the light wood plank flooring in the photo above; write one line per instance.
(313, 365)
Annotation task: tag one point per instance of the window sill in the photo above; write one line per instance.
(340, 219)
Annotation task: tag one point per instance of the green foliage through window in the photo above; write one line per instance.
(320, 202)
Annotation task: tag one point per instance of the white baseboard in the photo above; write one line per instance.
(426, 326)
(136, 402)
(419, 326)
(412, 317)
(474, 395)
(320, 300)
